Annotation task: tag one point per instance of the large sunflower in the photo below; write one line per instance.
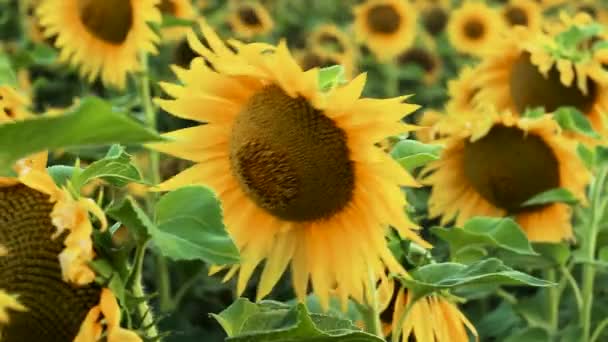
(523, 13)
(387, 27)
(474, 28)
(497, 162)
(525, 72)
(181, 9)
(101, 37)
(250, 18)
(296, 169)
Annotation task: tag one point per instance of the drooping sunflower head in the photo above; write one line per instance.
(522, 13)
(250, 18)
(496, 162)
(181, 9)
(330, 39)
(434, 15)
(474, 28)
(294, 166)
(424, 58)
(534, 69)
(387, 27)
(101, 37)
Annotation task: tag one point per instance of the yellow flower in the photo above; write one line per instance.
(432, 318)
(474, 28)
(101, 37)
(434, 14)
(524, 13)
(423, 57)
(250, 18)
(495, 162)
(13, 106)
(428, 133)
(462, 91)
(308, 59)
(296, 169)
(329, 39)
(181, 9)
(387, 27)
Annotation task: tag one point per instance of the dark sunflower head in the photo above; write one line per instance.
(110, 21)
(435, 19)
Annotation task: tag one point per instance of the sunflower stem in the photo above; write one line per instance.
(552, 301)
(143, 309)
(597, 207)
(370, 311)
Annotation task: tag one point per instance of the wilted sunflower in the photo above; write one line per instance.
(329, 38)
(474, 28)
(296, 169)
(434, 14)
(387, 27)
(523, 13)
(496, 162)
(181, 9)
(250, 18)
(101, 37)
(524, 72)
(424, 58)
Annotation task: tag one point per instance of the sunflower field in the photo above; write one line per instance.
(303, 170)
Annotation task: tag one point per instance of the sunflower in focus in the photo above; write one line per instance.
(528, 70)
(101, 37)
(434, 14)
(492, 167)
(330, 39)
(425, 59)
(250, 18)
(522, 13)
(387, 27)
(474, 28)
(296, 169)
(181, 9)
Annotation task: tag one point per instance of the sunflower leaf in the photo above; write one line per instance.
(61, 174)
(172, 21)
(189, 226)
(587, 155)
(571, 119)
(534, 113)
(115, 168)
(7, 75)
(450, 275)
(246, 321)
(556, 195)
(412, 154)
(330, 77)
(131, 216)
(92, 122)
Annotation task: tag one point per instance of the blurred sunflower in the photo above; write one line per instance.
(427, 121)
(12, 105)
(330, 39)
(387, 27)
(496, 162)
(101, 37)
(523, 13)
(181, 9)
(296, 169)
(308, 59)
(592, 8)
(434, 14)
(462, 91)
(432, 318)
(474, 28)
(424, 58)
(525, 72)
(249, 19)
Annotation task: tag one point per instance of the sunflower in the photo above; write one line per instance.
(424, 58)
(296, 169)
(250, 18)
(308, 59)
(432, 318)
(434, 14)
(498, 161)
(525, 72)
(181, 9)
(101, 37)
(428, 120)
(330, 39)
(474, 28)
(12, 105)
(387, 27)
(523, 13)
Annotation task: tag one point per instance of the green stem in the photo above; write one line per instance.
(370, 311)
(575, 289)
(135, 282)
(185, 287)
(589, 249)
(552, 301)
(599, 329)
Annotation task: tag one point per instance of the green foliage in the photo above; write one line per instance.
(273, 321)
(412, 154)
(330, 77)
(7, 75)
(557, 195)
(571, 119)
(115, 168)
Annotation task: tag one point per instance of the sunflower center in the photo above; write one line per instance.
(592, 11)
(249, 16)
(331, 41)
(516, 16)
(435, 20)
(383, 19)
(31, 270)
(474, 29)
(417, 56)
(167, 6)
(530, 89)
(290, 158)
(508, 167)
(108, 20)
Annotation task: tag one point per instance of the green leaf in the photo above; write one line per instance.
(189, 226)
(245, 321)
(558, 253)
(61, 174)
(557, 195)
(93, 122)
(412, 154)
(577, 33)
(534, 113)
(587, 155)
(172, 21)
(529, 335)
(7, 75)
(450, 275)
(330, 77)
(115, 168)
(131, 216)
(571, 119)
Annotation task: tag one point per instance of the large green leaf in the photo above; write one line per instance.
(189, 225)
(92, 122)
(557, 195)
(271, 321)
(450, 275)
(412, 154)
(115, 168)
(133, 217)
